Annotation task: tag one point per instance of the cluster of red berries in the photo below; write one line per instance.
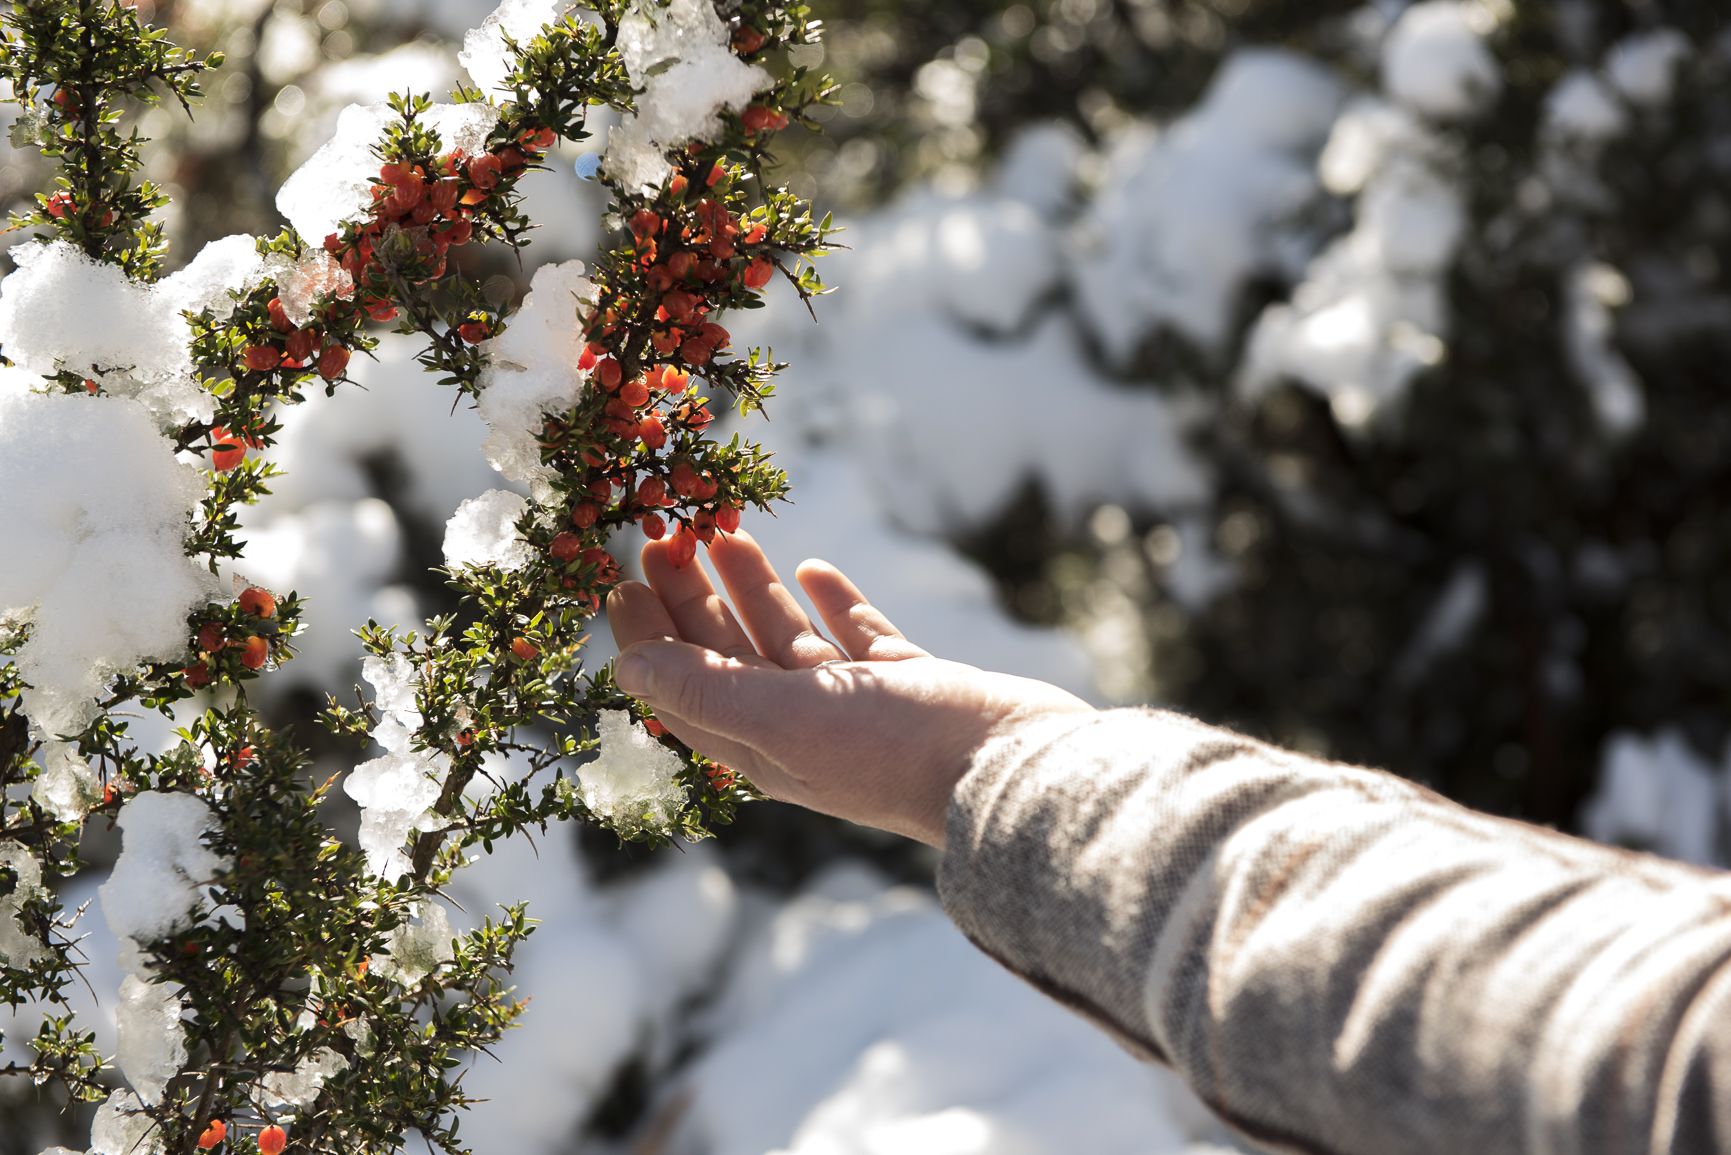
(430, 209)
(295, 347)
(213, 639)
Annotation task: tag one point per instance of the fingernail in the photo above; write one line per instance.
(635, 674)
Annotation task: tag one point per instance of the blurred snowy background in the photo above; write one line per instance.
(1350, 374)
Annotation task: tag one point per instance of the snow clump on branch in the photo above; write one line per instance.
(395, 791)
(678, 54)
(95, 520)
(18, 947)
(156, 886)
(633, 780)
(162, 869)
(486, 55)
(335, 184)
(483, 531)
(532, 369)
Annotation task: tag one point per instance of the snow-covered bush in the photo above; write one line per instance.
(281, 986)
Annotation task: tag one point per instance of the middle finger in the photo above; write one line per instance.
(700, 616)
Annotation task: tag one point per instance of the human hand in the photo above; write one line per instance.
(881, 740)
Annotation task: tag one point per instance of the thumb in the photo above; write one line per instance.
(728, 697)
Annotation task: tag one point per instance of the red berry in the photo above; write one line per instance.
(254, 651)
(484, 173)
(258, 602)
(92, 386)
(747, 40)
(679, 265)
(60, 204)
(676, 186)
(261, 358)
(474, 332)
(408, 190)
(567, 545)
(634, 392)
(703, 525)
(652, 492)
(301, 344)
(680, 305)
(653, 526)
(714, 335)
(278, 319)
(228, 451)
(727, 518)
(540, 139)
(333, 243)
(381, 310)
(757, 274)
(756, 233)
(332, 362)
(213, 1134)
(717, 174)
(757, 118)
(393, 172)
(652, 432)
(443, 195)
(607, 372)
(524, 649)
(644, 223)
(695, 352)
(272, 1140)
(197, 674)
(210, 638)
(682, 549)
(582, 516)
(654, 727)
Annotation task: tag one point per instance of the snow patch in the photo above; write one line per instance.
(96, 514)
(632, 781)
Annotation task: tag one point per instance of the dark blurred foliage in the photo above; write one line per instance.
(1093, 63)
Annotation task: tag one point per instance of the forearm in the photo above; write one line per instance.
(1341, 961)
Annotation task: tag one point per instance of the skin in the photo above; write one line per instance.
(881, 740)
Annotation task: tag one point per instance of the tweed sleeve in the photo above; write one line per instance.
(1341, 961)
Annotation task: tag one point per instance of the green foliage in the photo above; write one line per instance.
(300, 958)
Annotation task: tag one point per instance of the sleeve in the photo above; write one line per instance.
(1340, 961)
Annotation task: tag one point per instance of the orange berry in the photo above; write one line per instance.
(654, 727)
(676, 186)
(272, 1140)
(652, 432)
(607, 372)
(258, 602)
(261, 358)
(653, 526)
(635, 392)
(301, 343)
(483, 174)
(332, 362)
(213, 1134)
(644, 223)
(254, 651)
(92, 386)
(278, 319)
(566, 546)
(727, 518)
(757, 274)
(524, 649)
(683, 548)
(757, 118)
